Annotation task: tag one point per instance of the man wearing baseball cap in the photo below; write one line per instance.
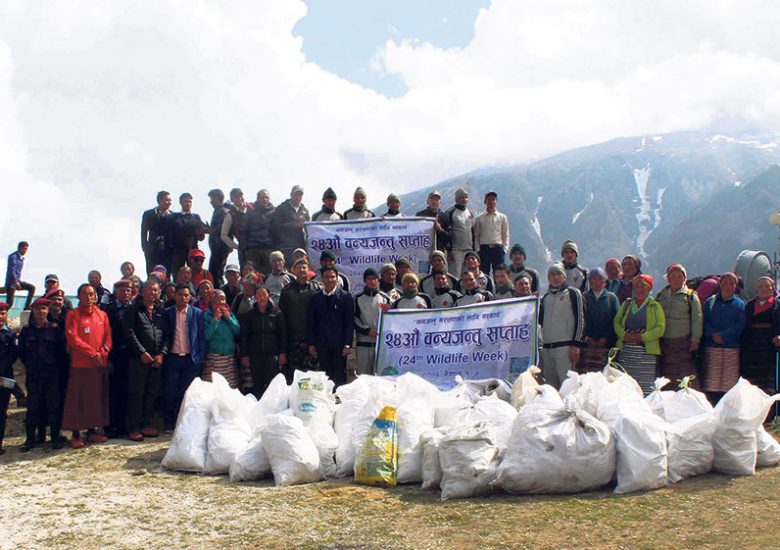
(433, 210)
(42, 351)
(195, 262)
(287, 224)
(491, 234)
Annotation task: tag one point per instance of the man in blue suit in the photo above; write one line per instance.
(186, 352)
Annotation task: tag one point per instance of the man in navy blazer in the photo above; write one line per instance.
(186, 352)
(331, 325)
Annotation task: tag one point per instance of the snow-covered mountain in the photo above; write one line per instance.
(665, 197)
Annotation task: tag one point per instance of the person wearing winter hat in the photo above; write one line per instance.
(517, 267)
(433, 210)
(328, 212)
(562, 318)
(387, 276)
(601, 306)
(411, 297)
(471, 263)
(402, 267)
(294, 304)
(639, 326)
(684, 327)
(327, 261)
(368, 305)
(287, 224)
(359, 209)
(724, 321)
(393, 207)
(438, 265)
(631, 265)
(457, 224)
(576, 275)
(278, 278)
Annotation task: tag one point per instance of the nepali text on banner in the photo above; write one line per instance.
(360, 244)
(488, 340)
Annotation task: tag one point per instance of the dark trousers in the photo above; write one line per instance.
(178, 373)
(263, 369)
(5, 397)
(490, 257)
(334, 364)
(298, 358)
(117, 395)
(217, 261)
(44, 405)
(143, 387)
(179, 260)
(159, 258)
(10, 292)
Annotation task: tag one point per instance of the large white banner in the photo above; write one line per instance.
(360, 244)
(489, 340)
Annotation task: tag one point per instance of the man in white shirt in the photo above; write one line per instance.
(491, 234)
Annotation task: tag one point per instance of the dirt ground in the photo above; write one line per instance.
(116, 495)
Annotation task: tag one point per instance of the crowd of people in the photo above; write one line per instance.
(103, 368)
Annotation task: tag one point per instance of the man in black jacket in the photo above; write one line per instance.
(433, 210)
(117, 375)
(42, 350)
(330, 326)
(219, 250)
(287, 224)
(157, 233)
(188, 229)
(256, 232)
(263, 341)
(146, 334)
(294, 303)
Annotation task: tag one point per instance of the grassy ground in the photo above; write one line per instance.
(116, 495)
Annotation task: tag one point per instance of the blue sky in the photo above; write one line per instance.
(342, 36)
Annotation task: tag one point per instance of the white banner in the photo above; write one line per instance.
(489, 340)
(360, 244)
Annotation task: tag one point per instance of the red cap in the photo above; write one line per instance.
(40, 302)
(4, 306)
(647, 279)
(197, 253)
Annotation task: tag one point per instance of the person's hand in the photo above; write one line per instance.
(313, 351)
(158, 360)
(282, 359)
(694, 346)
(776, 341)
(346, 350)
(717, 338)
(372, 333)
(218, 314)
(574, 354)
(245, 361)
(146, 359)
(97, 360)
(385, 307)
(299, 223)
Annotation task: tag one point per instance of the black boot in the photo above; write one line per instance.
(29, 443)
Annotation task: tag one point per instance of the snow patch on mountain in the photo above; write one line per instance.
(754, 142)
(643, 215)
(538, 228)
(587, 204)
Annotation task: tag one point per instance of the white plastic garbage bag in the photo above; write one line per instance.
(556, 447)
(251, 463)
(739, 414)
(525, 387)
(686, 403)
(230, 431)
(590, 387)
(431, 468)
(327, 442)
(656, 399)
(570, 384)
(468, 458)
(189, 444)
(768, 449)
(275, 399)
(474, 389)
(312, 397)
(690, 448)
(642, 456)
(416, 400)
(293, 455)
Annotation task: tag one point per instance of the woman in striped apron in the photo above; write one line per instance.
(639, 326)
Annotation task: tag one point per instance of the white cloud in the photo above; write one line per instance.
(102, 104)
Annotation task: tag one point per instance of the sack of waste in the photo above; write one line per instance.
(311, 397)
(327, 442)
(251, 463)
(377, 463)
(690, 447)
(739, 414)
(189, 444)
(468, 459)
(474, 389)
(556, 447)
(656, 399)
(275, 399)
(768, 449)
(291, 451)
(525, 387)
(686, 403)
(416, 399)
(230, 430)
(431, 468)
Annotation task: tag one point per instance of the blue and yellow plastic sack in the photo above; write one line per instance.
(377, 463)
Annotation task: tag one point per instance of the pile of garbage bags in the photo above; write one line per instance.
(480, 437)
